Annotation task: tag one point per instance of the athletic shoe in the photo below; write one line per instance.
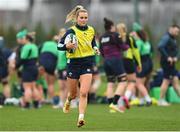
(149, 103)
(116, 108)
(112, 111)
(66, 107)
(126, 102)
(163, 102)
(80, 123)
(74, 103)
(58, 106)
(135, 102)
(154, 101)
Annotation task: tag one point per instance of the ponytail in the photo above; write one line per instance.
(31, 36)
(122, 30)
(61, 33)
(108, 24)
(71, 17)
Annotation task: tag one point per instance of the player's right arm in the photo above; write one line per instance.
(61, 45)
(162, 44)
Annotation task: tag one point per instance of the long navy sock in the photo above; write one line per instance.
(110, 100)
(27, 105)
(36, 104)
(116, 98)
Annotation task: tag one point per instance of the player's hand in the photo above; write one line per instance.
(96, 51)
(70, 45)
(175, 59)
(139, 69)
(170, 60)
(56, 38)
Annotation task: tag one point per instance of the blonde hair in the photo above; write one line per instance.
(61, 33)
(71, 17)
(32, 34)
(122, 30)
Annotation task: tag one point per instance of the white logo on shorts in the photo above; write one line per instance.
(88, 70)
(68, 61)
(70, 73)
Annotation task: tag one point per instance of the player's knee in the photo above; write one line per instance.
(4, 82)
(28, 92)
(122, 78)
(83, 94)
(73, 96)
(111, 79)
(132, 81)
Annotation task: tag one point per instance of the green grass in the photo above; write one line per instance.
(98, 118)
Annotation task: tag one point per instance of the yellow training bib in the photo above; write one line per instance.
(84, 43)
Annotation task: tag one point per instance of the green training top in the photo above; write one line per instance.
(41, 81)
(49, 46)
(29, 51)
(62, 60)
(144, 47)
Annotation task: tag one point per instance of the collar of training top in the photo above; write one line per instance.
(170, 35)
(83, 28)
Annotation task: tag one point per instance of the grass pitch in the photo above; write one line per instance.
(97, 118)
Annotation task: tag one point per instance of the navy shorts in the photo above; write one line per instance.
(62, 74)
(78, 67)
(113, 68)
(129, 66)
(3, 72)
(147, 67)
(169, 71)
(48, 61)
(29, 74)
